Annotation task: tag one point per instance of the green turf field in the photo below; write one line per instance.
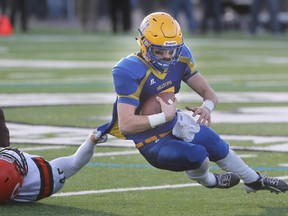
(118, 185)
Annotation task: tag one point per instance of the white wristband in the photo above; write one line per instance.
(157, 119)
(209, 104)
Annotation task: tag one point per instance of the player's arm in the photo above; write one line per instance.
(200, 85)
(129, 123)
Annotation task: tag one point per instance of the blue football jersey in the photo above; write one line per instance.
(135, 80)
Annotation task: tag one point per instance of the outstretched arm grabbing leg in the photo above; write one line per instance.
(72, 164)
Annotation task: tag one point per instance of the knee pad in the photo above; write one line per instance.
(196, 156)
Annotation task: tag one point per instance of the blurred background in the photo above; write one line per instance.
(122, 16)
(56, 85)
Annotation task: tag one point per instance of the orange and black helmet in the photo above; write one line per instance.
(13, 168)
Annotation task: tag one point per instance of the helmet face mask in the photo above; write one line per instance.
(160, 31)
(13, 169)
(160, 63)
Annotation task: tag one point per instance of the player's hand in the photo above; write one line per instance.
(97, 137)
(204, 112)
(168, 109)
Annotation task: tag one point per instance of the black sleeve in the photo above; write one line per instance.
(4, 132)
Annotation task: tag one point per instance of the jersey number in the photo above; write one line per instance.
(62, 180)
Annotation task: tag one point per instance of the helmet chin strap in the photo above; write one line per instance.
(162, 69)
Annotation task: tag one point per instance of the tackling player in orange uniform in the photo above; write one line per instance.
(28, 178)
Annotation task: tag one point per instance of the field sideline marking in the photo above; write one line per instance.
(118, 190)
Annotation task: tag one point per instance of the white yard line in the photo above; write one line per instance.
(118, 153)
(12, 63)
(41, 134)
(41, 148)
(41, 99)
(119, 190)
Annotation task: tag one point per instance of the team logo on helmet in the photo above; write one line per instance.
(170, 43)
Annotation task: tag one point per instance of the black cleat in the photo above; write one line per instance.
(226, 180)
(274, 185)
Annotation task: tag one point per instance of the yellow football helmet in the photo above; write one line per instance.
(161, 31)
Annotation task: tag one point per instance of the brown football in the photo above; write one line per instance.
(152, 106)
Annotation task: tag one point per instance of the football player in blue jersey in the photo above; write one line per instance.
(171, 139)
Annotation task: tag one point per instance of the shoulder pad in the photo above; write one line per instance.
(132, 66)
(127, 74)
(186, 53)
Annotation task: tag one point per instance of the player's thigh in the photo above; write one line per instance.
(183, 155)
(216, 147)
(174, 154)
